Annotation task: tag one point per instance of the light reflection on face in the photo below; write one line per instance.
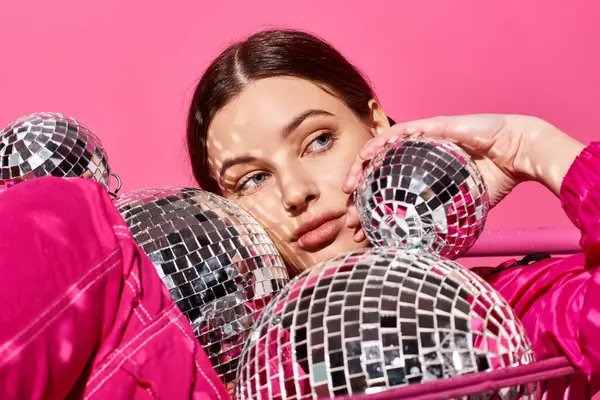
(281, 150)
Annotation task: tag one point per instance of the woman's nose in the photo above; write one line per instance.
(298, 192)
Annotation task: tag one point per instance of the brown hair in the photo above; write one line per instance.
(263, 55)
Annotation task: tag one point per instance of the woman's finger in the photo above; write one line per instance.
(365, 155)
(354, 174)
(373, 146)
(474, 133)
(359, 236)
(352, 217)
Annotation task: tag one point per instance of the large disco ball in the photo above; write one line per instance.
(50, 143)
(378, 318)
(423, 193)
(218, 263)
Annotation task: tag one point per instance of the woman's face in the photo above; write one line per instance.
(281, 150)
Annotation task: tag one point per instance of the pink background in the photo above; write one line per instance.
(127, 68)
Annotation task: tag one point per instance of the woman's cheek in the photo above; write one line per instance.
(265, 206)
(334, 167)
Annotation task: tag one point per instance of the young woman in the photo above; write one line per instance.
(280, 123)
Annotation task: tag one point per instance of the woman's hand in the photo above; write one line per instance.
(508, 149)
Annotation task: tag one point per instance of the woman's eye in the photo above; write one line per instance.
(320, 143)
(252, 182)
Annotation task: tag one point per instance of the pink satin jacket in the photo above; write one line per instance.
(84, 315)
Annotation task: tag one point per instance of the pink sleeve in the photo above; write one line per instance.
(83, 312)
(558, 299)
(580, 197)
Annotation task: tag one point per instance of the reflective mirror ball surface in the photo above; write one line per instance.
(49, 143)
(375, 319)
(423, 193)
(218, 263)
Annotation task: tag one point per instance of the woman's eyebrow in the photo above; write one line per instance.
(296, 121)
(230, 162)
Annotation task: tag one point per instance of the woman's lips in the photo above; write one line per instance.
(318, 232)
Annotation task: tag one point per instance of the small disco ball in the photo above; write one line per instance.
(373, 319)
(423, 193)
(50, 143)
(217, 261)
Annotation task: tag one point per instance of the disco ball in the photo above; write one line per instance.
(377, 318)
(218, 263)
(423, 193)
(50, 143)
